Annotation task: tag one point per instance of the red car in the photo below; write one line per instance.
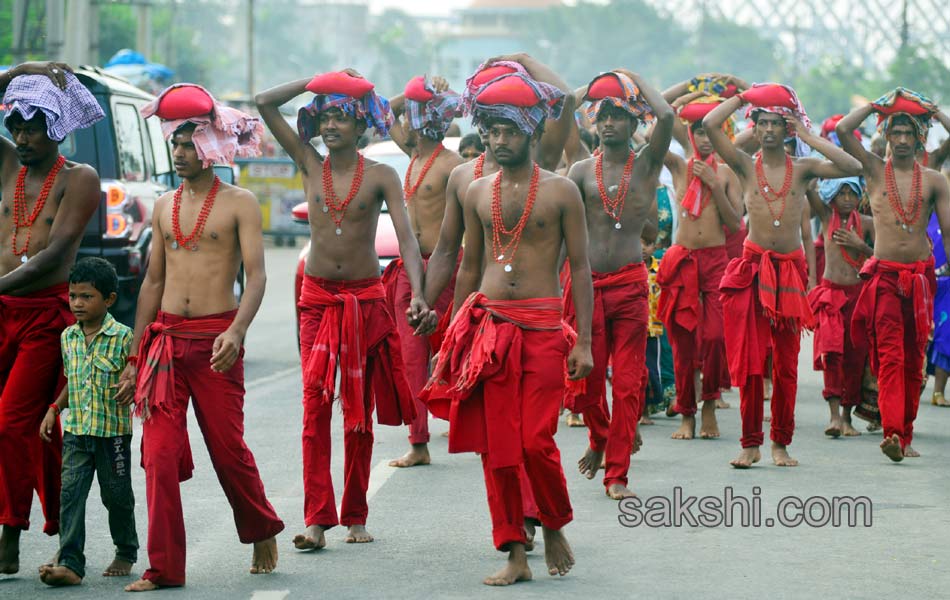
(387, 245)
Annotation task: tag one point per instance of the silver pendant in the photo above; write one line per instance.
(23, 259)
(501, 257)
(765, 189)
(617, 225)
(194, 248)
(776, 223)
(507, 268)
(612, 189)
(684, 214)
(326, 208)
(175, 245)
(910, 230)
(904, 226)
(339, 231)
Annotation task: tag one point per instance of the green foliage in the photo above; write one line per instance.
(400, 48)
(117, 30)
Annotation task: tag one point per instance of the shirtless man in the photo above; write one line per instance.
(189, 332)
(893, 312)
(836, 354)
(764, 290)
(46, 203)
(429, 109)
(618, 187)
(693, 267)
(506, 409)
(344, 318)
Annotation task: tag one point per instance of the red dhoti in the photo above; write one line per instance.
(175, 355)
(618, 336)
(416, 349)
(836, 353)
(691, 309)
(894, 314)
(735, 240)
(499, 383)
(31, 376)
(763, 298)
(347, 324)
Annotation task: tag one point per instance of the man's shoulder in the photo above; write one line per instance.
(237, 194)
(557, 184)
(80, 171)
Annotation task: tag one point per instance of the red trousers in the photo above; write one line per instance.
(382, 364)
(836, 354)
(218, 400)
(894, 313)
(689, 281)
(31, 376)
(416, 349)
(735, 240)
(618, 336)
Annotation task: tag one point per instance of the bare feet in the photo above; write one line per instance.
(530, 530)
(645, 420)
(910, 452)
(874, 426)
(834, 428)
(780, 456)
(312, 539)
(417, 455)
(847, 429)
(891, 447)
(514, 571)
(747, 458)
(574, 420)
(358, 535)
(557, 552)
(142, 585)
(118, 568)
(709, 427)
(59, 576)
(589, 463)
(720, 403)
(687, 430)
(9, 550)
(637, 443)
(619, 492)
(264, 559)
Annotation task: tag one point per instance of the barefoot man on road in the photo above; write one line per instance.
(764, 290)
(618, 187)
(345, 321)
(46, 203)
(189, 332)
(895, 310)
(506, 408)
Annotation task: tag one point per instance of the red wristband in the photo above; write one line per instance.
(55, 408)
(133, 360)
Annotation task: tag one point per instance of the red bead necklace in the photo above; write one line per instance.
(504, 253)
(410, 190)
(480, 166)
(20, 218)
(834, 223)
(332, 204)
(768, 193)
(904, 218)
(614, 206)
(191, 241)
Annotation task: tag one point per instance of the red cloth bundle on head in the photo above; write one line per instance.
(430, 112)
(518, 98)
(417, 90)
(616, 89)
(775, 98)
(351, 94)
(484, 74)
(902, 101)
(338, 82)
(828, 129)
(184, 102)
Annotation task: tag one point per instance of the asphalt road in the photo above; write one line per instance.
(432, 528)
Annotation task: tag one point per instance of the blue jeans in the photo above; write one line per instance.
(110, 459)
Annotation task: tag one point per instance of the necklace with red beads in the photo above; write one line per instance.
(480, 166)
(332, 204)
(768, 193)
(905, 219)
(20, 218)
(410, 190)
(614, 206)
(190, 242)
(504, 252)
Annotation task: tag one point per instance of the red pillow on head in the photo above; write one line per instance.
(829, 125)
(489, 73)
(730, 91)
(606, 85)
(696, 111)
(184, 102)
(509, 90)
(769, 95)
(902, 105)
(338, 82)
(416, 90)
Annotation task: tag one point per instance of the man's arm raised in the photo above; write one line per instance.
(839, 163)
(940, 155)
(738, 161)
(659, 144)
(845, 130)
(80, 200)
(808, 244)
(391, 191)
(574, 225)
(227, 346)
(268, 103)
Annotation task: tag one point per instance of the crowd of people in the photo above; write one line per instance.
(564, 246)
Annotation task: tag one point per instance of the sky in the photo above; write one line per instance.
(419, 7)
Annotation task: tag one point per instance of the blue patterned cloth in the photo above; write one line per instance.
(527, 118)
(372, 108)
(65, 110)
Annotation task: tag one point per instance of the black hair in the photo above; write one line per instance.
(588, 138)
(697, 124)
(98, 272)
(471, 140)
(903, 119)
(186, 127)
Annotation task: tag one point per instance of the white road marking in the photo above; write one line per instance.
(377, 479)
(282, 374)
(270, 594)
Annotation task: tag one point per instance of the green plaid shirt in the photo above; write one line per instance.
(91, 373)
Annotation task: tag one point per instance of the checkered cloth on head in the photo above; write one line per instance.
(372, 108)
(433, 118)
(632, 102)
(920, 122)
(66, 110)
(526, 118)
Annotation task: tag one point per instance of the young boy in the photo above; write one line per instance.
(98, 431)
